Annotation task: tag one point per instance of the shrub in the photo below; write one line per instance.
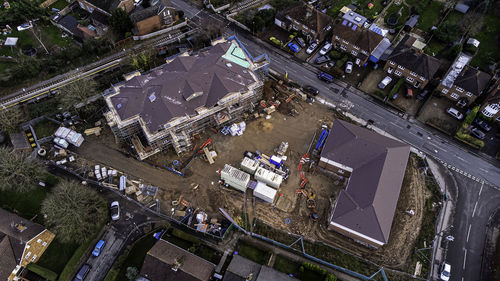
(335, 54)
(331, 277)
(471, 115)
(396, 87)
(468, 139)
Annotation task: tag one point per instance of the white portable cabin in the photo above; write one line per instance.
(75, 138)
(264, 192)
(249, 165)
(268, 177)
(235, 177)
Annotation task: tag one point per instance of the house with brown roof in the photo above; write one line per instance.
(491, 105)
(463, 83)
(409, 61)
(375, 166)
(188, 94)
(21, 242)
(166, 261)
(356, 40)
(306, 19)
(152, 18)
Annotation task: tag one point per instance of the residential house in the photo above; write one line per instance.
(306, 19)
(491, 106)
(243, 269)
(70, 25)
(463, 83)
(166, 261)
(106, 6)
(152, 18)
(353, 17)
(21, 242)
(358, 41)
(409, 61)
(184, 97)
(411, 23)
(375, 166)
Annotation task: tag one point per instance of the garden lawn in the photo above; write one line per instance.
(53, 35)
(395, 8)
(253, 253)
(430, 16)
(25, 39)
(286, 266)
(137, 254)
(434, 47)
(488, 49)
(45, 128)
(59, 4)
(370, 13)
(26, 205)
(57, 255)
(335, 9)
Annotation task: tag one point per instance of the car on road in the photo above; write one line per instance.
(455, 113)
(82, 273)
(115, 210)
(325, 77)
(386, 81)
(312, 48)
(294, 47)
(445, 272)
(321, 59)
(422, 95)
(325, 48)
(483, 125)
(348, 67)
(98, 248)
(476, 132)
(311, 90)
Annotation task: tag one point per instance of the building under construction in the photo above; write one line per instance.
(185, 96)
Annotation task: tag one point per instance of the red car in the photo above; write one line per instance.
(409, 93)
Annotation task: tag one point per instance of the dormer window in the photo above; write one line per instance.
(194, 95)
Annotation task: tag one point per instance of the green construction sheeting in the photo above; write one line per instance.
(235, 54)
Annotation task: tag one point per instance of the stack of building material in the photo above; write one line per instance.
(264, 192)
(69, 135)
(235, 177)
(268, 177)
(249, 165)
(237, 129)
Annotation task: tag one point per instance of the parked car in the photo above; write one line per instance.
(300, 41)
(311, 48)
(476, 132)
(445, 272)
(321, 59)
(98, 248)
(348, 67)
(422, 94)
(409, 93)
(82, 273)
(455, 113)
(330, 64)
(115, 210)
(24, 26)
(325, 48)
(325, 77)
(483, 125)
(462, 102)
(386, 81)
(294, 47)
(275, 41)
(311, 90)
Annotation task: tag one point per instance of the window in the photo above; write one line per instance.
(345, 42)
(454, 96)
(413, 73)
(469, 94)
(354, 53)
(336, 37)
(33, 258)
(444, 91)
(398, 73)
(356, 47)
(28, 255)
(409, 79)
(39, 241)
(422, 78)
(342, 47)
(460, 89)
(364, 52)
(91, 9)
(392, 63)
(44, 244)
(400, 67)
(81, 5)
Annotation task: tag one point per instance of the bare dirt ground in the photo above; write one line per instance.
(265, 135)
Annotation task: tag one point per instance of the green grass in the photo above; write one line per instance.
(43, 272)
(404, 14)
(25, 39)
(253, 253)
(27, 205)
(454, 16)
(45, 128)
(430, 16)
(488, 49)
(286, 266)
(57, 256)
(310, 275)
(59, 4)
(5, 66)
(53, 35)
(370, 13)
(335, 9)
(434, 47)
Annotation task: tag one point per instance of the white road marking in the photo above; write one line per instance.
(397, 125)
(465, 258)
(481, 190)
(473, 212)
(483, 170)
(468, 232)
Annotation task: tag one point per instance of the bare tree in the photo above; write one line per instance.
(10, 119)
(74, 212)
(18, 172)
(77, 92)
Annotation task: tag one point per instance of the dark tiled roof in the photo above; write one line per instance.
(106, 5)
(472, 80)
(99, 17)
(414, 60)
(7, 259)
(8, 223)
(69, 22)
(143, 14)
(155, 270)
(307, 15)
(163, 94)
(167, 254)
(363, 38)
(241, 268)
(378, 163)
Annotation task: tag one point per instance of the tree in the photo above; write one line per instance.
(143, 60)
(21, 11)
(18, 172)
(132, 273)
(10, 119)
(471, 115)
(448, 32)
(77, 93)
(74, 212)
(120, 22)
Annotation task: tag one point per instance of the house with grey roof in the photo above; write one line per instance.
(188, 94)
(243, 269)
(106, 6)
(463, 83)
(375, 166)
(21, 242)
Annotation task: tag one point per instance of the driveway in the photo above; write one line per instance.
(100, 265)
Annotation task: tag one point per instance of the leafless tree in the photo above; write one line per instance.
(74, 212)
(77, 92)
(18, 172)
(10, 119)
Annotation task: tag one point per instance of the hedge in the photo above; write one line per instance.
(468, 139)
(42, 271)
(396, 87)
(185, 236)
